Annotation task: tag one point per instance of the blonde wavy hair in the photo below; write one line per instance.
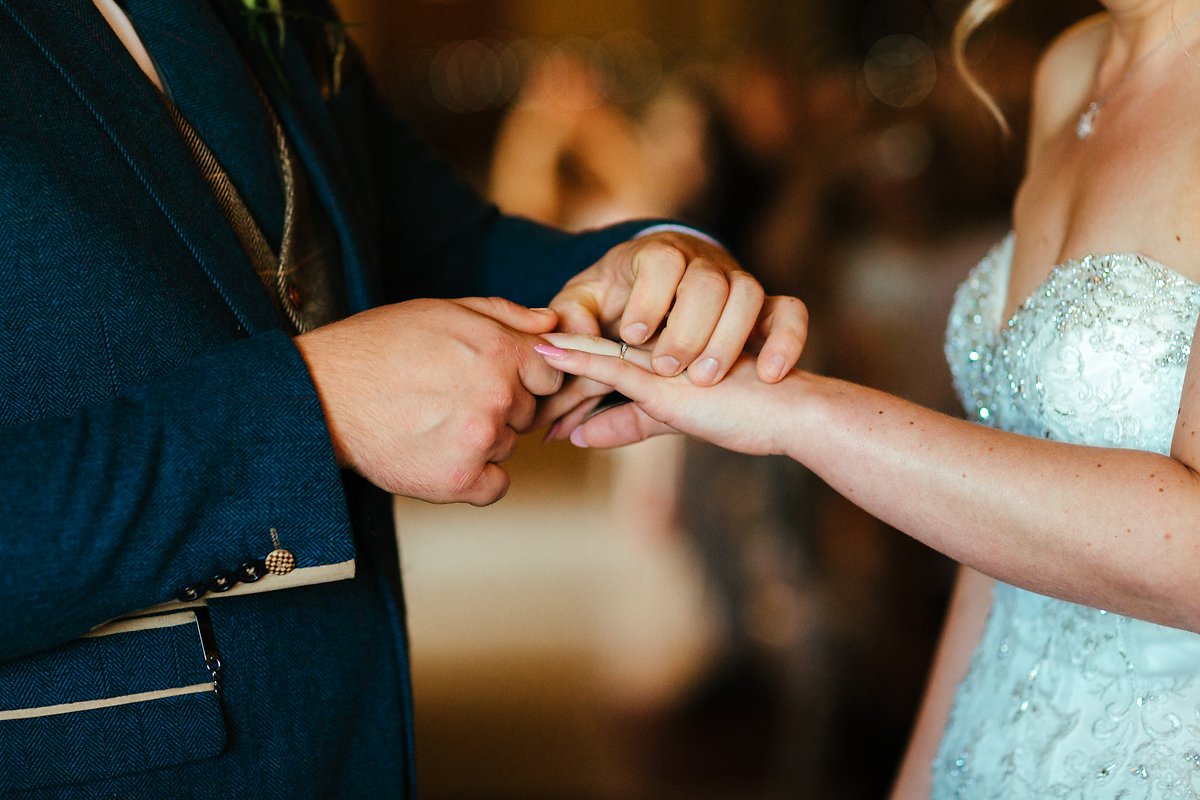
(973, 17)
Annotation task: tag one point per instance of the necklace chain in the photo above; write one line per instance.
(1086, 125)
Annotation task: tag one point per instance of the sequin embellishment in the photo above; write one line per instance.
(1064, 701)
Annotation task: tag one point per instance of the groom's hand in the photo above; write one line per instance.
(425, 398)
(709, 311)
(707, 307)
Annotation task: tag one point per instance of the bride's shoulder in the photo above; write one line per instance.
(1065, 73)
(1073, 54)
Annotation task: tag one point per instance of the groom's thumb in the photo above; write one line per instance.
(514, 315)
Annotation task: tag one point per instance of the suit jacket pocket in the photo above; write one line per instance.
(133, 695)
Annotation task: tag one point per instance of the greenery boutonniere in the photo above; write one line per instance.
(261, 15)
(323, 39)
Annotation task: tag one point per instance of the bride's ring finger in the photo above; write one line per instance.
(600, 346)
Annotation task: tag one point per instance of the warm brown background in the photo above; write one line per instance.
(669, 621)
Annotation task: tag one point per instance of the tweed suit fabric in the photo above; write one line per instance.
(95, 667)
(61, 745)
(156, 422)
(193, 54)
(143, 736)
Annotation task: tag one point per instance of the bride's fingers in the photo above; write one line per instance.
(581, 395)
(583, 341)
(568, 421)
(617, 427)
(784, 324)
(632, 380)
(599, 346)
(576, 393)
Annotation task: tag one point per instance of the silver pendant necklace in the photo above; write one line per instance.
(1085, 126)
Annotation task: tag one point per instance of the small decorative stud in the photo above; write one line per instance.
(279, 561)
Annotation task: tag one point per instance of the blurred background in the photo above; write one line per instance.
(670, 620)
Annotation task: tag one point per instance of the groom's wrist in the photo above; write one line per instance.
(671, 227)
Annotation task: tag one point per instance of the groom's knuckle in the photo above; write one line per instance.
(704, 278)
(745, 285)
(474, 437)
(659, 256)
(496, 305)
(688, 341)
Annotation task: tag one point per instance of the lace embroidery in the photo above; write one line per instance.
(1063, 701)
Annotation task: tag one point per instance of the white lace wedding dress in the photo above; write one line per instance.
(1063, 701)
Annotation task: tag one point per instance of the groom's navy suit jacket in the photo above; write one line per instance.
(156, 422)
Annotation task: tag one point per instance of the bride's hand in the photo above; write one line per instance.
(740, 413)
(777, 339)
(580, 398)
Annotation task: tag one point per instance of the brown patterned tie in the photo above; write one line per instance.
(303, 280)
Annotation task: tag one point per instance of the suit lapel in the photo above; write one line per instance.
(78, 43)
(211, 83)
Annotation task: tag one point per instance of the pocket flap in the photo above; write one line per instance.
(131, 696)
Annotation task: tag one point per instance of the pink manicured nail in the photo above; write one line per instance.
(550, 434)
(577, 438)
(550, 351)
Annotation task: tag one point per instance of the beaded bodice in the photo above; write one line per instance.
(1064, 701)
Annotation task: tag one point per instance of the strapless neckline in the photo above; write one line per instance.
(1064, 270)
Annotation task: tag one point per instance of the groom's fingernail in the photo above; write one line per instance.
(705, 370)
(577, 438)
(775, 366)
(636, 333)
(666, 365)
(550, 351)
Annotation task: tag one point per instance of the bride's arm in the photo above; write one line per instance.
(1109, 528)
(969, 608)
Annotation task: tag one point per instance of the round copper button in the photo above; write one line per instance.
(280, 562)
